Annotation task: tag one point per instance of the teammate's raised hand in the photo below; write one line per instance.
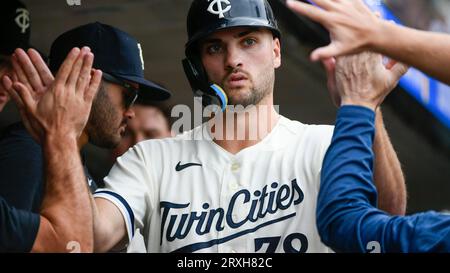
(363, 79)
(32, 71)
(63, 107)
(352, 25)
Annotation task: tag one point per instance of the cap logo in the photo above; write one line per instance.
(217, 8)
(22, 19)
(141, 55)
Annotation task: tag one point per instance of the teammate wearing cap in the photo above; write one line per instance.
(204, 192)
(122, 81)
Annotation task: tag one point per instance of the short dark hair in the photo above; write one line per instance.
(164, 107)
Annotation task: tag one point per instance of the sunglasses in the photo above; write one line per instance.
(131, 93)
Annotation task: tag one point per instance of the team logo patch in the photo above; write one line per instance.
(22, 19)
(216, 7)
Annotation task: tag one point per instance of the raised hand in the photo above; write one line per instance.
(363, 79)
(58, 107)
(31, 70)
(352, 25)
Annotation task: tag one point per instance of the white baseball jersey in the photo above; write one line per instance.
(193, 196)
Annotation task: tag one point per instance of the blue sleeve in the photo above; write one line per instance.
(347, 217)
(21, 169)
(18, 228)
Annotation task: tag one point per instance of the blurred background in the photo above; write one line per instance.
(417, 115)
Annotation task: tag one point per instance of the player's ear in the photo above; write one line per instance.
(276, 52)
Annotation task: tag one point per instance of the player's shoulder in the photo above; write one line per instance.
(291, 134)
(184, 139)
(298, 128)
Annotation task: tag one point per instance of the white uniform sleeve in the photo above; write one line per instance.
(323, 134)
(128, 186)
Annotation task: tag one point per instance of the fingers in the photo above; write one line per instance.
(29, 70)
(330, 65)
(326, 4)
(41, 67)
(66, 67)
(308, 10)
(75, 72)
(361, 6)
(18, 71)
(8, 85)
(330, 68)
(85, 73)
(25, 95)
(15, 78)
(93, 85)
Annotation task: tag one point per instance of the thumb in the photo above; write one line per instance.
(325, 52)
(398, 70)
(390, 64)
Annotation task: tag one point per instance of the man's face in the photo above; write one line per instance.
(149, 123)
(243, 62)
(4, 97)
(108, 118)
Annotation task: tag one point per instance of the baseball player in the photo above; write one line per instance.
(355, 28)
(57, 228)
(203, 192)
(122, 81)
(235, 196)
(347, 217)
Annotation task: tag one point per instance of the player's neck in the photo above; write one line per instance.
(237, 130)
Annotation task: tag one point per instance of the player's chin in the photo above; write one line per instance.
(238, 97)
(236, 90)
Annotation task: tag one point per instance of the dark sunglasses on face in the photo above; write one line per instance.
(131, 93)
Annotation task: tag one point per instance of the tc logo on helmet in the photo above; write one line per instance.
(216, 7)
(23, 19)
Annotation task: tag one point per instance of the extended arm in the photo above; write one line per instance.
(388, 174)
(346, 217)
(355, 28)
(56, 119)
(66, 217)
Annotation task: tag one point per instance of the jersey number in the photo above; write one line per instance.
(288, 243)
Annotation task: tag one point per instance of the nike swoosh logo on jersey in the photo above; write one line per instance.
(180, 167)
